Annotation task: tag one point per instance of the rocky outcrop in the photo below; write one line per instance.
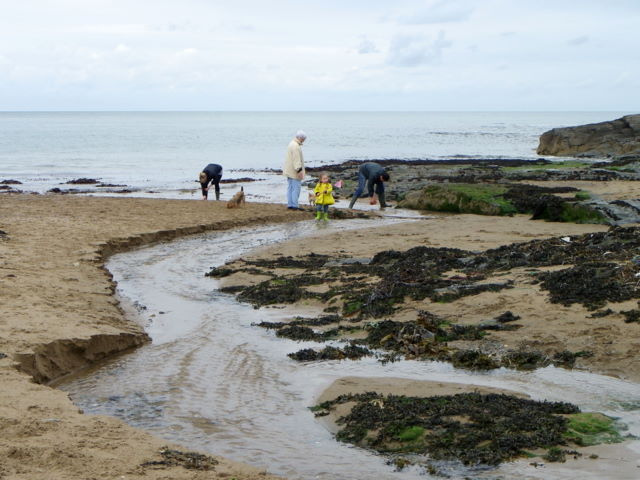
(617, 137)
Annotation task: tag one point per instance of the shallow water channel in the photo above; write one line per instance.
(213, 382)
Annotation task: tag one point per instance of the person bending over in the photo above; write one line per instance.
(211, 174)
(373, 177)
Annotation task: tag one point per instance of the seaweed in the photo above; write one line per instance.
(590, 284)
(188, 460)
(473, 360)
(351, 352)
(568, 359)
(470, 427)
(631, 316)
(220, 272)
(590, 428)
(525, 360)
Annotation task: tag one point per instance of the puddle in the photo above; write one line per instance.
(212, 382)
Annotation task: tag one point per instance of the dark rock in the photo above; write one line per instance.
(10, 182)
(240, 180)
(616, 137)
(507, 317)
(83, 181)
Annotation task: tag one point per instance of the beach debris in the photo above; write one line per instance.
(2, 355)
(188, 460)
(566, 239)
(3, 235)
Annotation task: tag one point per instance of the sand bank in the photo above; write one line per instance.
(59, 314)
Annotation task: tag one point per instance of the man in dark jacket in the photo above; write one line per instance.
(211, 174)
(373, 177)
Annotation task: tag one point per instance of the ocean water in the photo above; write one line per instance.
(161, 153)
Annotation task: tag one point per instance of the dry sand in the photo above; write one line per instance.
(59, 314)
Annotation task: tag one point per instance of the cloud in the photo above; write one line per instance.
(443, 11)
(413, 51)
(574, 42)
(367, 46)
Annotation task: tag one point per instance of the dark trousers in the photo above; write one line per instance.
(215, 181)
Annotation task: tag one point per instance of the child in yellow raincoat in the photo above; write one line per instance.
(324, 197)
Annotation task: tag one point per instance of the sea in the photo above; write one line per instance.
(159, 154)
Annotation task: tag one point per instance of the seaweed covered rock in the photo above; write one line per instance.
(472, 428)
(481, 199)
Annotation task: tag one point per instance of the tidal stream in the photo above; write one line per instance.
(211, 381)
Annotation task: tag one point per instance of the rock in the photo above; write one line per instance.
(616, 137)
(83, 181)
(10, 182)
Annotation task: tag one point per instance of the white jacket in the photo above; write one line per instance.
(294, 161)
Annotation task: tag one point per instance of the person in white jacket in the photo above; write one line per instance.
(294, 170)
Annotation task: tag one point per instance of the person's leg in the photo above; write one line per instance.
(325, 212)
(318, 212)
(216, 183)
(290, 203)
(203, 186)
(381, 196)
(295, 192)
(362, 182)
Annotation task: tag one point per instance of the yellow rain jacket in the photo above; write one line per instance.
(323, 194)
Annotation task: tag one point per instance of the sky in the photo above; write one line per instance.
(433, 55)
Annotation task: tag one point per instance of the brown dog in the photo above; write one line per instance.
(237, 199)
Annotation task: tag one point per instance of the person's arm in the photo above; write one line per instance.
(370, 186)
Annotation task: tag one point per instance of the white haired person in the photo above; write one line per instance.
(294, 170)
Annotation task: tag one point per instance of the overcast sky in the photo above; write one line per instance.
(320, 55)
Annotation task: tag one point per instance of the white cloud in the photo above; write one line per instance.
(413, 51)
(367, 46)
(113, 53)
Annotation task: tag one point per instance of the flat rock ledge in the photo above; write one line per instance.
(612, 138)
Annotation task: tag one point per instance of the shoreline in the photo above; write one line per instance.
(60, 314)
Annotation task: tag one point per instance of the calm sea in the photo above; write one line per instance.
(162, 152)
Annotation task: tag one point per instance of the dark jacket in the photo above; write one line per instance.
(213, 170)
(372, 172)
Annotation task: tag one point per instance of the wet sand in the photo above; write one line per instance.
(59, 314)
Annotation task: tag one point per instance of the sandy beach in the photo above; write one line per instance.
(59, 314)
